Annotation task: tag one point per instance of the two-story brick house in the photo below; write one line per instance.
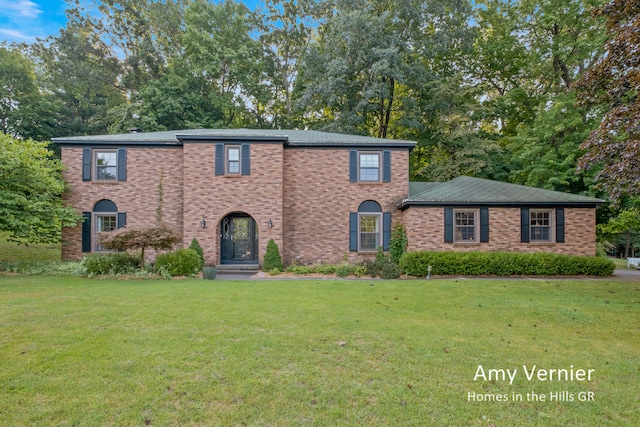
(320, 196)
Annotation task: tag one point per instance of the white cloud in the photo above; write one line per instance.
(13, 34)
(19, 9)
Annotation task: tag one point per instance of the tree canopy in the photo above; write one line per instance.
(31, 186)
(501, 89)
(613, 85)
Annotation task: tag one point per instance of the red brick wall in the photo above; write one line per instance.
(215, 196)
(425, 231)
(138, 196)
(318, 198)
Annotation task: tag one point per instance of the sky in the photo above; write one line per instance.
(25, 20)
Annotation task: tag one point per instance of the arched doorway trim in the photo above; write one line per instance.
(238, 239)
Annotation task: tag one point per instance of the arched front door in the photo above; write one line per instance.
(238, 239)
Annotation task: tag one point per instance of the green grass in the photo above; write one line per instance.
(77, 351)
(38, 252)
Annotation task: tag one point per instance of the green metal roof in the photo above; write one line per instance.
(466, 190)
(291, 138)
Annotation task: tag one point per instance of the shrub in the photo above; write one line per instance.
(343, 270)
(390, 270)
(110, 263)
(183, 262)
(197, 248)
(272, 259)
(503, 264)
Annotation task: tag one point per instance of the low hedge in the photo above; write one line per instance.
(504, 264)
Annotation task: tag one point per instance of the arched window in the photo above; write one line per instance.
(370, 228)
(104, 217)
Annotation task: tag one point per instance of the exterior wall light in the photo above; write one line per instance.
(203, 223)
(270, 223)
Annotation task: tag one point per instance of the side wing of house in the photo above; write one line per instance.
(471, 214)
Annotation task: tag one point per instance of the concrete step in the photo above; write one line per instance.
(244, 269)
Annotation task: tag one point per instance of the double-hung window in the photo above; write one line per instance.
(104, 223)
(233, 159)
(540, 225)
(106, 163)
(369, 227)
(465, 226)
(369, 167)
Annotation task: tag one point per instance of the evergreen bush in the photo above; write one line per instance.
(195, 245)
(272, 259)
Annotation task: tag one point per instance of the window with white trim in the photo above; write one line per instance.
(233, 159)
(104, 223)
(369, 230)
(540, 225)
(106, 165)
(369, 167)
(465, 225)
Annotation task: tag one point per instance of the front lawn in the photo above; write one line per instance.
(40, 252)
(77, 351)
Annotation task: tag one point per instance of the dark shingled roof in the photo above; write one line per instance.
(293, 138)
(466, 190)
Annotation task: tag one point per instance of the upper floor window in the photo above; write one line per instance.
(233, 159)
(106, 165)
(370, 166)
(540, 225)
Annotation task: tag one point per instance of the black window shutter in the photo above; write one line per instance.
(122, 164)
(353, 232)
(386, 230)
(484, 225)
(386, 166)
(353, 166)
(219, 159)
(560, 225)
(86, 232)
(448, 225)
(122, 219)
(86, 164)
(246, 159)
(524, 225)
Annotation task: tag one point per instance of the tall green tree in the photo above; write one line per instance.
(82, 73)
(612, 85)
(285, 32)
(528, 55)
(25, 112)
(31, 188)
(221, 52)
(372, 57)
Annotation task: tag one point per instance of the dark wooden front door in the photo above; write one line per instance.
(239, 239)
